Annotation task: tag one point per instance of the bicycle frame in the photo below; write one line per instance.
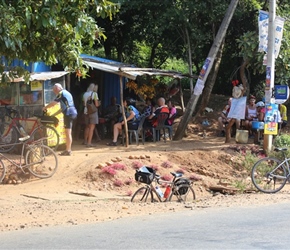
(15, 122)
(22, 165)
(153, 189)
(284, 164)
(159, 181)
(15, 119)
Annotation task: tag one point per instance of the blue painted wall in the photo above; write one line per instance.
(112, 88)
(31, 67)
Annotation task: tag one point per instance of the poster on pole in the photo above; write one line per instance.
(268, 77)
(263, 22)
(272, 117)
(202, 76)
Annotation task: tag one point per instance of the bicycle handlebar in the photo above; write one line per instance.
(44, 113)
(47, 118)
(44, 118)
(9, 111)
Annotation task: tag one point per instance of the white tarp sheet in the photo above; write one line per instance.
(42, 76)
(130, 72)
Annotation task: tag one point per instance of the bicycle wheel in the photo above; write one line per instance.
(182, 193)
(2, 171)
(8, 137)
(41, 161)
(268, 176)
(141, 195)
(49, 133)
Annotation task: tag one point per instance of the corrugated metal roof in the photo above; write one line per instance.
(42, 76)
(126, 70)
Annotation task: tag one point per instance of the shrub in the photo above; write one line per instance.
(282, 141)
(241, 185)
(118, 166)
(137, 164)
(118, 183)
(129, 193)
(155, 167)
(194, 177)
(249, 161)
(166, 177)
(109, 170)
(128, 181)
(167, 164)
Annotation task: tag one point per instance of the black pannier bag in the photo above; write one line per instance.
(181, 186)
(145, 175)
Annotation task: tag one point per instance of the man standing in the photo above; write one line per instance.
(283, 113)
(66, 101)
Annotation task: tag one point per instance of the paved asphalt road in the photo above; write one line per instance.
(262, 227)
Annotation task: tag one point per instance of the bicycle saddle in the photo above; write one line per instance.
(176, 174)
(280, 149)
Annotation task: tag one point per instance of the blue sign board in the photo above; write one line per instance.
(281, 92)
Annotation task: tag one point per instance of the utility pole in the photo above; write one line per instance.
(187, 116)
(269, 99)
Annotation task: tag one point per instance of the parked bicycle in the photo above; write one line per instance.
(11, 130)
(269, 175)
(179, 189)
(36, 158)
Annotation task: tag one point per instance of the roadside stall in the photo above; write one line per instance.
(130, 72)
(29, 98)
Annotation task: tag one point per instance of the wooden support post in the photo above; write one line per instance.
(123, 111)
(181, 95)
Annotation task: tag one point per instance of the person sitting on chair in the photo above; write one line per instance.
(149, 109)
(112, 113)
(152, 119)
(132, 117)
(251, 114)
(258, 134)
(172, 113)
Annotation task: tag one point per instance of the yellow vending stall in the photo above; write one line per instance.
(60, 128)
(50, 96)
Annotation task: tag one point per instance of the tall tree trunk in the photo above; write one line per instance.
(212, 54)
(211, 81)
(189, 59)
(244, 77)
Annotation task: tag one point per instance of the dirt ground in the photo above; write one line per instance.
(82, 191)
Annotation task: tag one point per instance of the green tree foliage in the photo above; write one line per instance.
(248, 44)
(158, 29)
(153, 33)
(52, 31)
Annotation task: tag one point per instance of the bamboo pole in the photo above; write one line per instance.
(123, 110)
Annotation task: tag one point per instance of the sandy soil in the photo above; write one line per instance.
(80, 192)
